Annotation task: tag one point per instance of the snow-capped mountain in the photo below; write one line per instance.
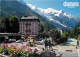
(60, 18)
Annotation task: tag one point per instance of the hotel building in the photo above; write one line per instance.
(29, 25)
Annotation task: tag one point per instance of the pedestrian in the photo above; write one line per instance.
(50, 44)
(76, 47)
(46, 44)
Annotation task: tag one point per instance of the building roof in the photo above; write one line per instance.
(29, 17)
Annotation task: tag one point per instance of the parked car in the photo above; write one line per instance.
(19, 41)
(12, 40)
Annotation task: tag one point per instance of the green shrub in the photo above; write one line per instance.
(76, 37)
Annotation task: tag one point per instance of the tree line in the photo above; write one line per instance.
(54, 34)
(9, 24)
(74, 33)
(58, 38)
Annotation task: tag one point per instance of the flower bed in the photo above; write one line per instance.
(24, 51)
(14, 51)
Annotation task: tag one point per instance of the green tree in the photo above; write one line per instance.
(71, 33)
(14, 24)
(5, 24)
(74, 33)
(55, 35)
(41, 28)
(64, 35)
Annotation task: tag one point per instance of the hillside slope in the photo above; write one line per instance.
(15, 8)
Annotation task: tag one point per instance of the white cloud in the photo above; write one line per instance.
(31, 6)
(49, 10)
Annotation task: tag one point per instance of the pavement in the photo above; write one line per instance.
(66, 54)
(71, 42)
(1, 55)
(78, 52)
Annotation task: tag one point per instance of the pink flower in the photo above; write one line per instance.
(14, 49)
(6, 45)
(17, 49)
(2, 43)
(12, 45)
(24, 47)
(16, 44)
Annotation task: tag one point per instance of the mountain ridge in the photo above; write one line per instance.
(60, 17)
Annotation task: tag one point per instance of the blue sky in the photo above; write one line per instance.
(56, 4)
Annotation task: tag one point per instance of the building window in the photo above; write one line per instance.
(32, 32)
(23, 23)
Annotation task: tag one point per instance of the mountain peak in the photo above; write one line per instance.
(62, 11)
